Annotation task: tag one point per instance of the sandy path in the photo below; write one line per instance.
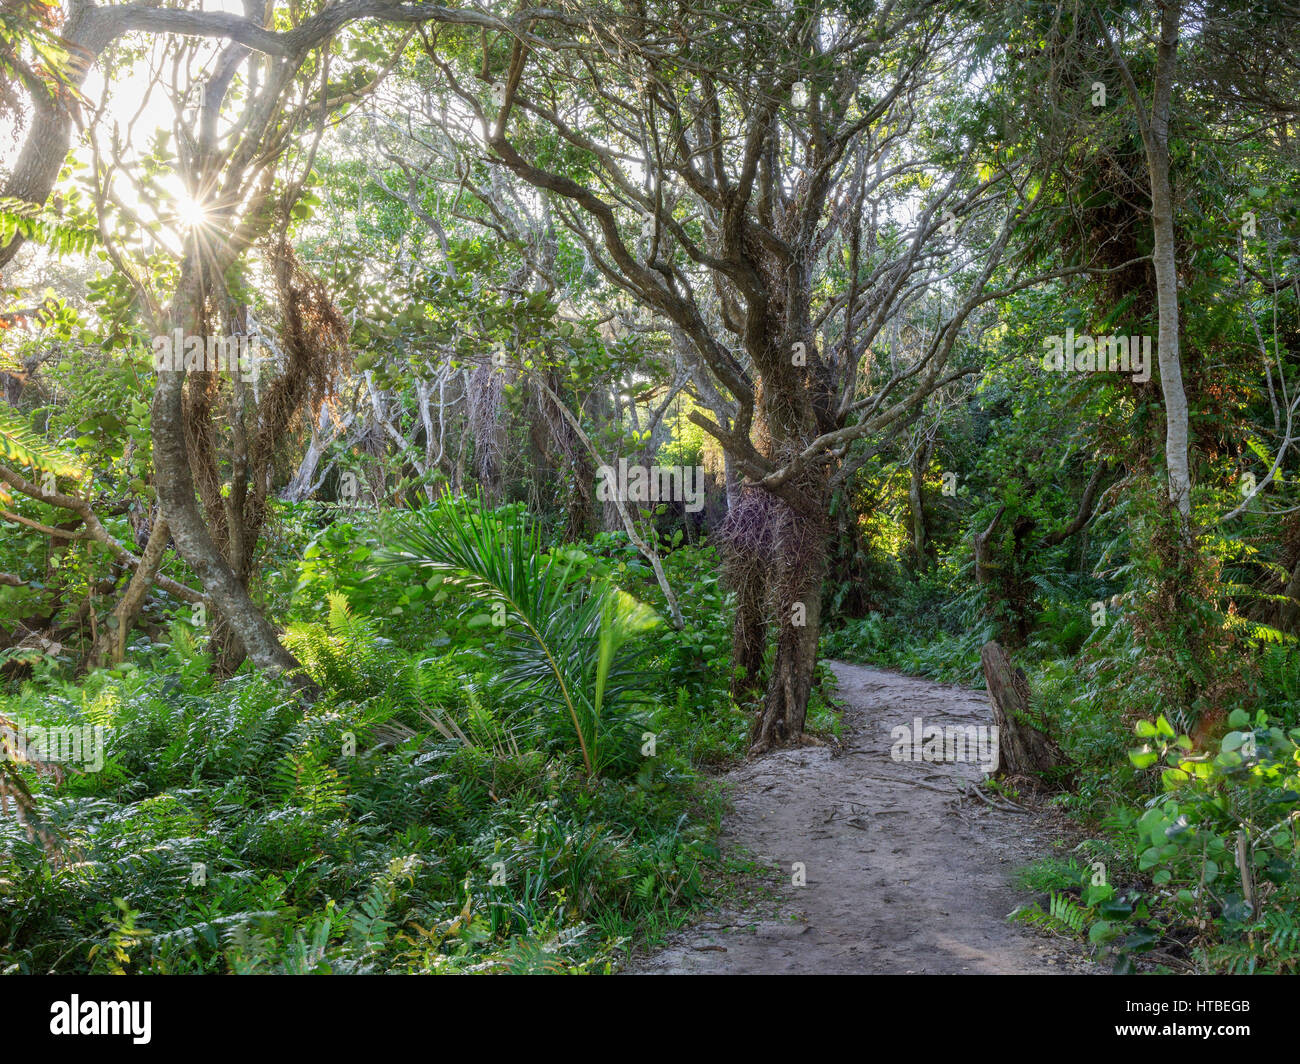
(900, 878)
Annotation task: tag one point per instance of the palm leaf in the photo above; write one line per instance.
(567, 642)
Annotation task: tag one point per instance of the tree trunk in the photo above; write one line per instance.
(798, 584)
(748, 631)
(917, 467)
(1025, 751)
(1290, 612)
(176, 499)
(731, 480)
(1171, 373)
(305, 482)
(983, 557)
(1155, 141)
(87, 33)
(110, 648)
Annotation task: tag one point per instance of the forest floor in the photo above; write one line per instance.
(905, 873)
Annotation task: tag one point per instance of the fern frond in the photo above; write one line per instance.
(1068, 911)
(29, 220)
(18, 443)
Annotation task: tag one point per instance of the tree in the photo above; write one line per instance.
(1153, 124)
(229, 173)
(746, 177)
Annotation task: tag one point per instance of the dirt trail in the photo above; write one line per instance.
(900, 878)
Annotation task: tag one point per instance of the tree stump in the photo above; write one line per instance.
(1024, 749)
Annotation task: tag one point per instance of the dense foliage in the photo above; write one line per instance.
(436, 439)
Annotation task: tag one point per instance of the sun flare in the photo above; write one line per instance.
(191, 213)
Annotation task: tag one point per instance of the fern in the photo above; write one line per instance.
(339, 941)
(1068, 911)
(29, 220)
(1284, 933)
(529, 956)
(311, 784)
(18, 443)
(368, 928)
(346, 655)
(1271, 947)
(1065, 915)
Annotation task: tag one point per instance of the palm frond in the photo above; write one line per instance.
(567, 642)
